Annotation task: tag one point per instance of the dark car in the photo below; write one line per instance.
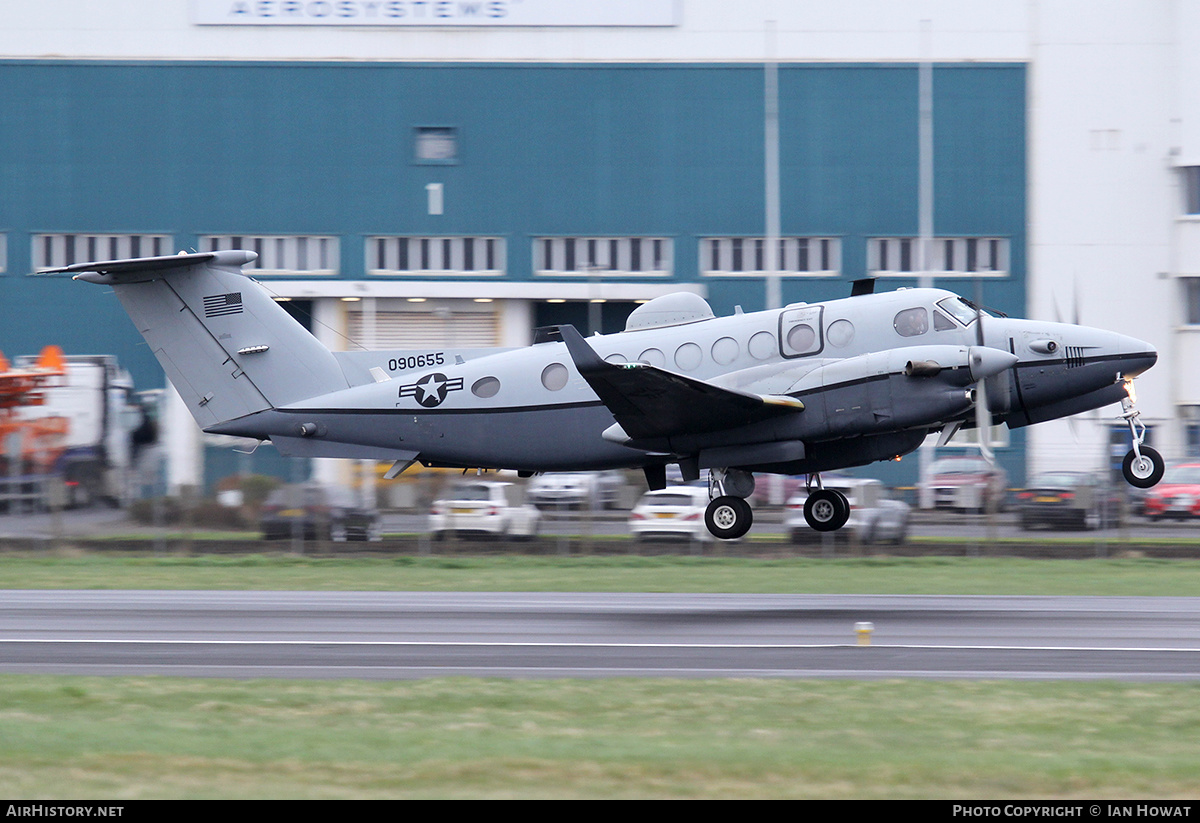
(317, 512)
(1074, 500)
(1177, 495)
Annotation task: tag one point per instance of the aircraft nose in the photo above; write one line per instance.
(1136, 355)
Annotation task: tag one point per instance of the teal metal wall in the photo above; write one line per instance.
(671, 150)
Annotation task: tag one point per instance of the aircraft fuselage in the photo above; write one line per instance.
(875, 373)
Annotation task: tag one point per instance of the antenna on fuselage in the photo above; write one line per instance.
(860, 287)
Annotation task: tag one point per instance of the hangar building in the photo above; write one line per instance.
(416, 173)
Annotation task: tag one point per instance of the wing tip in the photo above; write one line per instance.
(783, 401)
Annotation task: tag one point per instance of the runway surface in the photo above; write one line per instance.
(385, 635)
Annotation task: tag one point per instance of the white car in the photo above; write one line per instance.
(676, 511)
(874, 516)
(576, 490)
(483, 507)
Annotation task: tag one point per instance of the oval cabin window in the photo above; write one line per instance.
(554, 376)
(485, 387)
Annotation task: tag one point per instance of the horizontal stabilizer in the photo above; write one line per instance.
(138, 269)
(649, 402)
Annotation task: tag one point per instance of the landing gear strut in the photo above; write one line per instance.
(1143, 467)
(826, 510)
(728, 515)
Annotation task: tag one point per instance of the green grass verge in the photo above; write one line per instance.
(132, 738)
(874, 575)
(128, 738)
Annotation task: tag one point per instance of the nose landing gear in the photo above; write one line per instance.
(1142, 467)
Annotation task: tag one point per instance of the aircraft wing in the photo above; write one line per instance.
(649, 402)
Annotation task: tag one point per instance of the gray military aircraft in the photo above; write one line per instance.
(804, 389)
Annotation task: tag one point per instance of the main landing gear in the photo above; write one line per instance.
(1143, 467)
(728, 515)
(826, 510)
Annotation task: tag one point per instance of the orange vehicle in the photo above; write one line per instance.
(39, 440)
(66, 417)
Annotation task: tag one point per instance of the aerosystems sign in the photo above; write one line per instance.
(479, 13)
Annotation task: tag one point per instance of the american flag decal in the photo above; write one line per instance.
(219, 305)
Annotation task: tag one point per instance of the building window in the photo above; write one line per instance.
(949, 256)
(647, 256)
(734, 256)
(281, 254)
(1191, 189)
(1191, 430)
(435, 255)
(435, 145)
(57, 250)
(1191, 300)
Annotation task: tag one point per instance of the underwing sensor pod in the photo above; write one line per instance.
(804, 389)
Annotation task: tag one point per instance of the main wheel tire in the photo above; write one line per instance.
(843, 503)
(728, 517)
(826, 510)
(1145, 471)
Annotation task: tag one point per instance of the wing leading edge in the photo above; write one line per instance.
(649, 402)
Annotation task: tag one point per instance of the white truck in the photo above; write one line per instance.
(95, 415)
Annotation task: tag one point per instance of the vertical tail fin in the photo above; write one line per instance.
(227, 347)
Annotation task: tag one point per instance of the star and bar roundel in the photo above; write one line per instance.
(431, 390)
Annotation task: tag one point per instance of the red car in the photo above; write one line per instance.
(1177, 494)
(968, 484)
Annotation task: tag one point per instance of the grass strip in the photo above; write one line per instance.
(869, 575)
(134, 738)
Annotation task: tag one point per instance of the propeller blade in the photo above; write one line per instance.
(983, 422)
(983, 415)
(1075, 313)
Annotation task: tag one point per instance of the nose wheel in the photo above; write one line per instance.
(1142, 467)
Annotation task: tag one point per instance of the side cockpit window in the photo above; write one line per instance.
(959, 309)
(942, 323)
(912, 322)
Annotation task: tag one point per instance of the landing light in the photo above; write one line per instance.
(1129, 389)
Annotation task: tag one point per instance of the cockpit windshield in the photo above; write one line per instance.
(961, 310)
